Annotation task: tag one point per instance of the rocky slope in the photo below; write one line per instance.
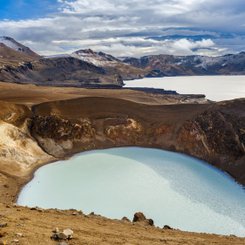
(18, 47)
(110, 63)
(217, 136)
(65, 71)
(10, 57)
(14, 54)
(169, 65)
(19, 151)
(83, 68)
(28, 227)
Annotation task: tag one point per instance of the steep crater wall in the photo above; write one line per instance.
(214, 133)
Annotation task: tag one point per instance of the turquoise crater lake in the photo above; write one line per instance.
(172, 189)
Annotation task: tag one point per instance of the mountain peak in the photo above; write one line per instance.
(95, 58)
(86, 51)
(14, 45)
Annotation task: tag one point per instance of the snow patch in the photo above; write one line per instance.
(9, 42)
(97, 59)
(57, 56)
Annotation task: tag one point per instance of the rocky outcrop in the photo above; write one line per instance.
(140, 218)
(217, 136)
(124, 129)
(59, 136)
(19, 152)
(125, 219)
(66, 234)
(167, 227)
(16, 145)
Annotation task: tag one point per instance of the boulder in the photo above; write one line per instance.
(67, 234)
(126, 219)
(56, 230)
(167, 227)
(150, 222)
(140, 217)
(61, 236)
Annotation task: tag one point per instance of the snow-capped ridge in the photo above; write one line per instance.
(95, 58)
(11, 43)
(14, 45)
(57, 56)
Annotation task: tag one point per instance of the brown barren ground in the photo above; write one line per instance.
(31, 94)
(37, 225)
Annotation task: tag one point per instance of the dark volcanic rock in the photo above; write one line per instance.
(57, 128)
(217, 136)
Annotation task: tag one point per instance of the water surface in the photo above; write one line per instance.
(216, 88)
(170, 188)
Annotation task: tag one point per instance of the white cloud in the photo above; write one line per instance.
(126, 27)
(138, 46)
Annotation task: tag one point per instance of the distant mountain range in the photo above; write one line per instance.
(169, 65)
(86, 68)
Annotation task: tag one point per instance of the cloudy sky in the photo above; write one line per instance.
(126, 27)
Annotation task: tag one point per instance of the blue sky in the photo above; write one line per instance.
(126, 27)
(26, 9)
